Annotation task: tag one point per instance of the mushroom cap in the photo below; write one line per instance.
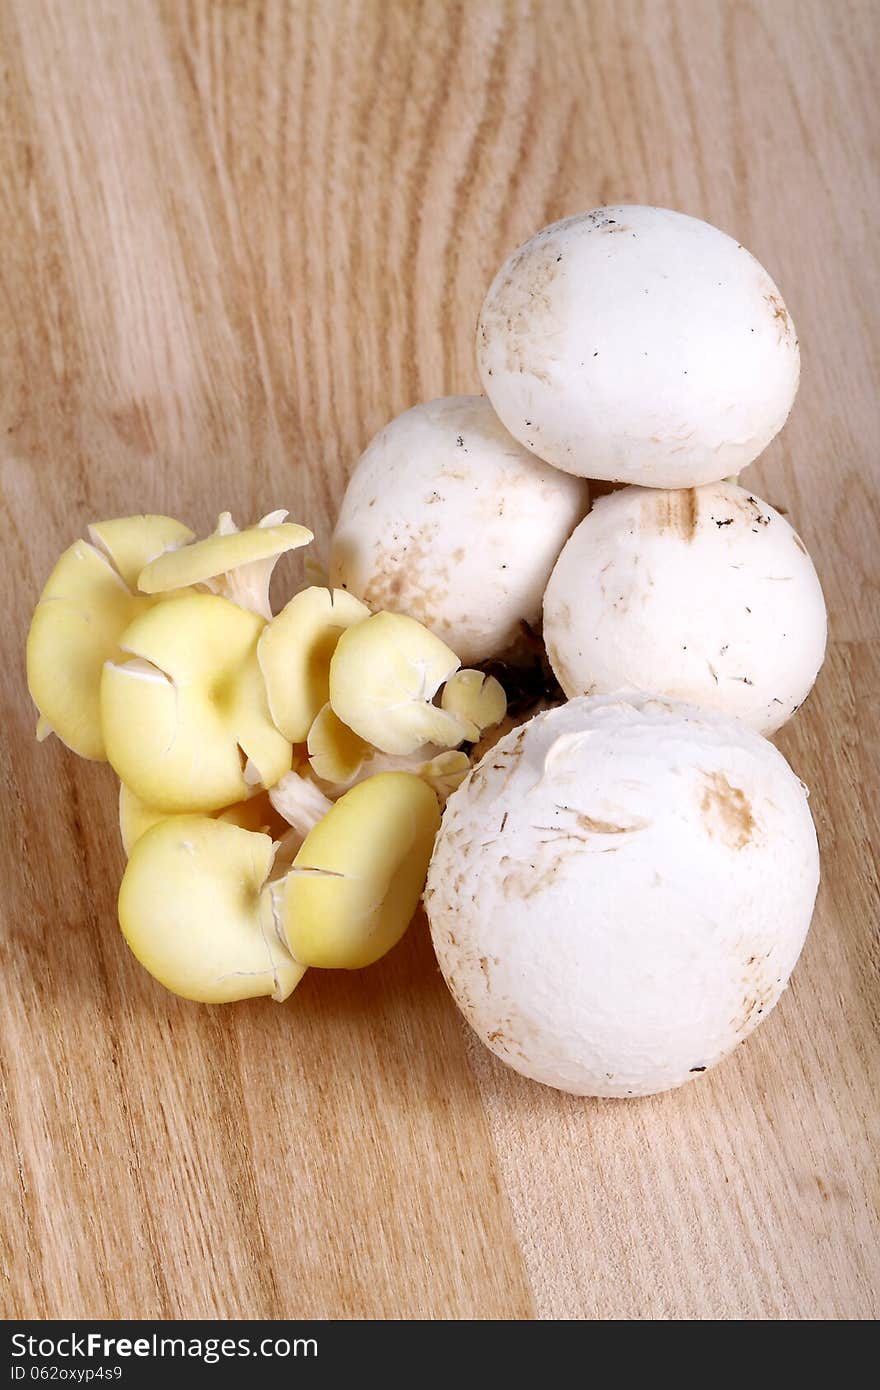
(356, 881)
(705, 594)
(224, 551)
(182, 717)
(87, 603)
(294, 652)
(448, 519)
(83, 611)
(384, 674)
(132, 542)
(477, 699)
(620, 891)
(235, 564)
(639, 345)
(336, 752)
(196, 911)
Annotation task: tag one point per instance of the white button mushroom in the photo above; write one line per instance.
(447, 519)
(638, 344)
(706, 594)
(620, 891)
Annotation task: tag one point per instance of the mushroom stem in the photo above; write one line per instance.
(299, 801)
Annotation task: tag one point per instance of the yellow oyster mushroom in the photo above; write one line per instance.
(257, 813)
(295, 651)
(86, 605)
(384, 674)
(478, 700)
(357, 879)
(445, 772)
(196, 911)
(186, 723)
(131, 542)
(233, 564)
(336, 752)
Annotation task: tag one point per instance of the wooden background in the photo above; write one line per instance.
(235, 238)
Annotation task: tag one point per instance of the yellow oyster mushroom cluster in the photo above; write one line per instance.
(281, 777)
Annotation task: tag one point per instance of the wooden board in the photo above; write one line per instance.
(236, 239)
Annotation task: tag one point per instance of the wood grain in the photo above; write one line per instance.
(236, 239)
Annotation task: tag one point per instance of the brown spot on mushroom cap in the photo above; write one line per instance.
(504, 1045)
(584, 834)
(726, 811)
(677, 511)
(596, 825)
(384, 589)
(605, 827)
(516, 310)
(758, 999)
(527, 880)
(407, 576)
(780, 316)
